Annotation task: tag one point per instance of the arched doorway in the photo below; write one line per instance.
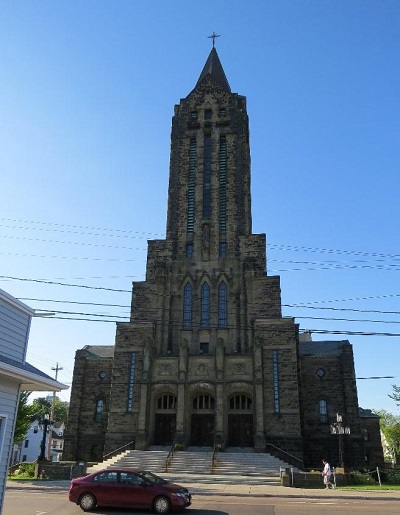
(202, 433)
(240, 421)
(165, 420)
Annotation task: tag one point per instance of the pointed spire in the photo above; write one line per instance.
(214, 68)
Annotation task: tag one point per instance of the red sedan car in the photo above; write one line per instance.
(128, 488)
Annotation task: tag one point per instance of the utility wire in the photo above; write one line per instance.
(277, 246)
(298, 306)
(290, 330)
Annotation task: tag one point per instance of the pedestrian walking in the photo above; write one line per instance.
(326, 474)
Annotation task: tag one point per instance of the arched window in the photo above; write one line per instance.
(240, 402)
(205, 306)
(167, 402)
(323, 411)
(187, 306)
(222, 305)
(98, 416)
(203, 402)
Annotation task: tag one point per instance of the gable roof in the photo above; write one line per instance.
(29, 377)
(322, 348)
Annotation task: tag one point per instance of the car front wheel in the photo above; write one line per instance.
(161, 504)
(87, 501)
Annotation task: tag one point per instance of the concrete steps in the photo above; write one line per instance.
(234, 466)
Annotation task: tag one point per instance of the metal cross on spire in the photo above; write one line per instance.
(213, 37)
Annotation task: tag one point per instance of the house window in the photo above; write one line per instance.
(193, 115)
(222, 305)
(205, 306)
(131, 382)
(26, 444)
(207, 177)
(365, 434)
(191, 185)
(187, 306)
(275, 373)
(222, 111)
(323, 411)
(207, 114)
(35, 429)
(24, 457)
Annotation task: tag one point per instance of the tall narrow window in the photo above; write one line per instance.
(207, 177)
(131, 382)
(205, 306)
(187, 306)
(275, 372)
(191, 185)
(222, 305)
(323, 411)
(222, 183)
(98, 416)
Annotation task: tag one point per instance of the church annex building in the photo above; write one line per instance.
(207, 357)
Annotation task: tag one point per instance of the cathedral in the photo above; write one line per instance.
(207, 358)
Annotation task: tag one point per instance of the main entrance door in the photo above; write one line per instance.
(240, 431)
(202, 430)
(202, 421)
(240, 421)
(165, 420)
(164, 429)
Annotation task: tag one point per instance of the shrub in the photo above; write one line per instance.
(392, 477)
(26, 470)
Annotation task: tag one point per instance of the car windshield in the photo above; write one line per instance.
(149, 476)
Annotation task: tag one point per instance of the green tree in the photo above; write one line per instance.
(395, 394)
(24, 417)
(42, 406)
(390, 427)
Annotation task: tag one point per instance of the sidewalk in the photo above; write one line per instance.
(240, 488)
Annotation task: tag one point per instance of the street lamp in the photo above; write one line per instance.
(337, 428)
(45, 424)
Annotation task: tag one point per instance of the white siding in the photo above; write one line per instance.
(14, 331)
(9, 393)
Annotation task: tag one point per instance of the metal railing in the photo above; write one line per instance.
(117, 451)
(217, 448)
(170, 455)
(293, 460)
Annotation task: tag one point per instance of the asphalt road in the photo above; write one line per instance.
(41, 502)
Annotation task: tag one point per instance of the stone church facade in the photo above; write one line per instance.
(207, 357)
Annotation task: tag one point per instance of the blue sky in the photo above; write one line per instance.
(87, 93)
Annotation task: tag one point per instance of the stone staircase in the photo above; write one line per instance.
(195, 464)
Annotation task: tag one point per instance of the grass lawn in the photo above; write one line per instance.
(370, 487)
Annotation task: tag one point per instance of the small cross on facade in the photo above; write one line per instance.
(213, 36)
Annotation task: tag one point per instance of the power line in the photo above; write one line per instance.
(64, 284)
(52, 224)
(75, 258)
(303, 306)
(129, 232)
(299, 306)
(85, 243)
(317, 331)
